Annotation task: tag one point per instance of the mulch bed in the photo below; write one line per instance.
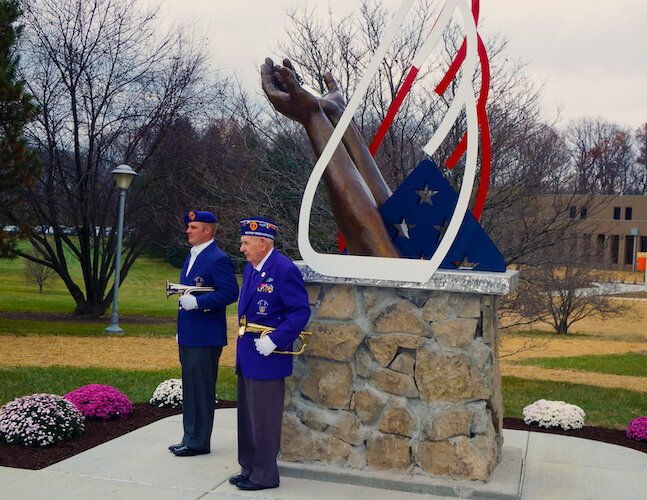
(97, 432)
(610, 436)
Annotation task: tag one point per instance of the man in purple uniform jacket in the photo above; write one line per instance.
(202, 330)
(272, 295)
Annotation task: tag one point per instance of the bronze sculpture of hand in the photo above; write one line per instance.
(351, 176)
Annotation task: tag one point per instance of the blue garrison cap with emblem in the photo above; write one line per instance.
(200, 216)
(258, 226)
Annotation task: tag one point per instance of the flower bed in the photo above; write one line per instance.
(637, 429)
(545, 413)
(100, 402)
(168, 394)
(40, 420)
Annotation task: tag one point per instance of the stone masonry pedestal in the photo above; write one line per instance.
(399, 377)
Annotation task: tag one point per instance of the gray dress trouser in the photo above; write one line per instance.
(260, 412)
(199, 373)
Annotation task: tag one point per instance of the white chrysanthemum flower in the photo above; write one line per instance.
(548, 414)
(168, 394)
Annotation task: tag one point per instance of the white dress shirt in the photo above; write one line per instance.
(195, 251)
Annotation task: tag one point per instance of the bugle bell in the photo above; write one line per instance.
(292, 353)
(173, 288)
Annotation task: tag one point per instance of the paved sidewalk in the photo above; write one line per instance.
(138, 466)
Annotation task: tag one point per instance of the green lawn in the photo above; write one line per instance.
(611, 408)
(633, 364)
(142, 293)
(137, 385)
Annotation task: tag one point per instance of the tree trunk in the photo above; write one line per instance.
(89, 310)
(562, 327)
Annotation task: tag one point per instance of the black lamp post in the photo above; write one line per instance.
(123, 178)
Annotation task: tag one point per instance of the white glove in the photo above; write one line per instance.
(188, 302)
(264, 345)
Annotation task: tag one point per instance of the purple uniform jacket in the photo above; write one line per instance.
(275, 297)
(207, 325)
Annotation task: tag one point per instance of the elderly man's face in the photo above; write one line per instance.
(198, 233)
(254, 248)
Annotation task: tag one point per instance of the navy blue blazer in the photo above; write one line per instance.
(207, 325)
(275, 297)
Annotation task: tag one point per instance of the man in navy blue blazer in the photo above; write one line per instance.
(272, 295)
(202, 330)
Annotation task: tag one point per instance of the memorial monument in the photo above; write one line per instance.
(401, 371)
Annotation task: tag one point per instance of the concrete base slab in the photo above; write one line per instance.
(306, 489)
(143, 454)
(505, 482)
(54, 486)
(550, 480)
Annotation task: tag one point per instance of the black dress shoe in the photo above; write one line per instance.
(237, 479)
(248, 485)
(174, 447)
(185, 451)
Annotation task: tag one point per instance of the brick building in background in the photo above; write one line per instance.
(608, 231)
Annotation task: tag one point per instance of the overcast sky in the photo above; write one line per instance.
(590, 55)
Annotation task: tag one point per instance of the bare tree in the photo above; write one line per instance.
(602, 157)
(38, 273)
(639, 177)
(564, 290)
(109, 83)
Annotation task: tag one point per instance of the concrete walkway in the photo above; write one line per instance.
(139, 466)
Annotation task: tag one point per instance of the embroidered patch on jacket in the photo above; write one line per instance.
(262, 307)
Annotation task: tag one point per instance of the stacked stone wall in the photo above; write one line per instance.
(397, 379)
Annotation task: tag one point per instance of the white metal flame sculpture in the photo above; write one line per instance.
(412, 270)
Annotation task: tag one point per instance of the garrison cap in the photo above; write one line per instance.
(200, 216)
(258, 226)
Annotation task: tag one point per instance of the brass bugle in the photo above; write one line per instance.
(173, 288)
(246, 327)
(292, 353)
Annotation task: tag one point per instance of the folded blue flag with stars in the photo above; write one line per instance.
(418, 213)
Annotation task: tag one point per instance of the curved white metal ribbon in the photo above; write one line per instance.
(382, 268)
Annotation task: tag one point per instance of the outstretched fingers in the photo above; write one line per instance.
(331, 83)
(288, 64)
(288, 79)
